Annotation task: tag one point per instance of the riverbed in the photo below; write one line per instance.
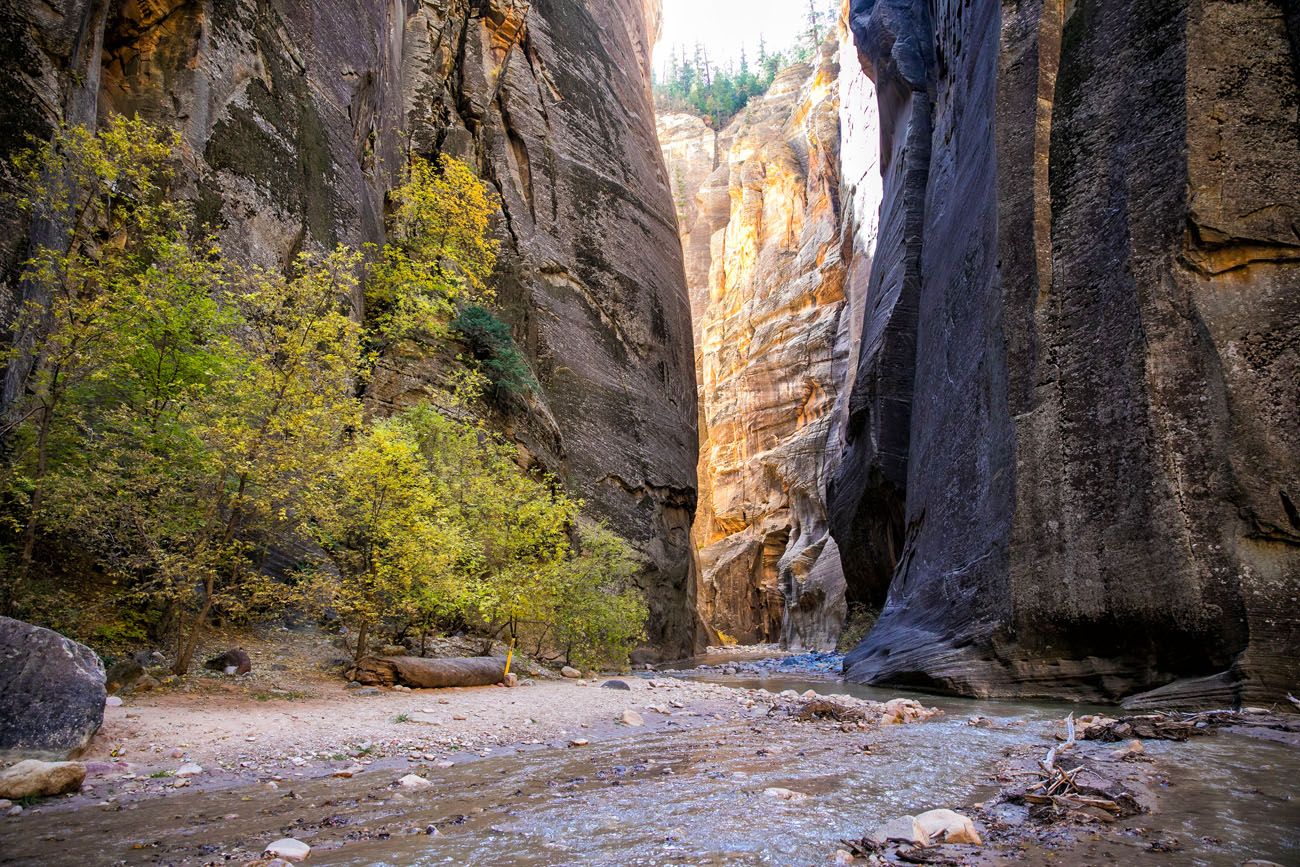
(689, 795)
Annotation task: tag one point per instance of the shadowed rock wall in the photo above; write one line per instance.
(296, 117)
(1073, 448)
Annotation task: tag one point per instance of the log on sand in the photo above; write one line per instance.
(417, 672)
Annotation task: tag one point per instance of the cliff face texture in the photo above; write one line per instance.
(761, 225)
(1071, 461)
(296, 117)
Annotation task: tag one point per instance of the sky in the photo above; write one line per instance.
(723, 26)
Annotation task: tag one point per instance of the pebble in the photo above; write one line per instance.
(113, 701)
(843, 856)
(289, 849)
(180, 782)
(189, 770)
(631, 718)
(414, 781)
(177, 753)
(784, 794)
(579, 742)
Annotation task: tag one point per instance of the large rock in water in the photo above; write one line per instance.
(1075, 449)
(51, 692)
(296, 118)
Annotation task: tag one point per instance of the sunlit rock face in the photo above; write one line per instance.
(1089, 230)
(296, 119)
(765, 258)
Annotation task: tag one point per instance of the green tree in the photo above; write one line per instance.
(440, 250)
(598, 615)
(107, 192)
(494, 351)
(384, 529)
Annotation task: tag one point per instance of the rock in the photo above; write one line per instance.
(631, 718)
(512, 680)
(1038, 427)
(36, 779)
(5, 803)
(570, 672)
(903, 829)
(1259, 862)
(122, 674)
(366, 691)
(782, 284)
(144, 683)
(784, 794)
(15, 810)
(842, 856)
(289, 849)
(414, 782)
(579, 742)
(393, 650)
(189, 770)
(235, 659)
(180, 782)
(945, 826)
(615, 684)
(52, 693)
(113, 701)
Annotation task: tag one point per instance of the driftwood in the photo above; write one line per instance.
(417, 672)
(823, 708)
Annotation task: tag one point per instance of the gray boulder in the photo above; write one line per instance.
(51, 693)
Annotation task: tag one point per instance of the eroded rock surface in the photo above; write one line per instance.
(295, 120)
(1074, 444)
(51, 693)
(761, 228)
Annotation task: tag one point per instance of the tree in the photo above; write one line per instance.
(384, 529)
(107, 191)
(440, 250)
(495, 352)
(598, 615)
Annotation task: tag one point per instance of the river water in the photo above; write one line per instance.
(696, 798)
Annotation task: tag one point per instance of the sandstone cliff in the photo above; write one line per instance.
(1072, 452)
(295, 118)
(759, 205)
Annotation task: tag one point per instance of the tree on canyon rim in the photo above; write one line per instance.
(182, 414)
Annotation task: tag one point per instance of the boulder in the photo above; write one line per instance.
(36, 779)
(288, 849)
(123, 674)
(235, 659)
(945, 826)
(51, 693)
(615, 684)
(414, 781)
(570, 672)
(631, 718)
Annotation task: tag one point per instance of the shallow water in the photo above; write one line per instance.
(690, 797)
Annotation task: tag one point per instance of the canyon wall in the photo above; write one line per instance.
(1074, 437)
(759, 206)
(296, 117)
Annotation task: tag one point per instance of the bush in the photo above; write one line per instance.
(495, 352)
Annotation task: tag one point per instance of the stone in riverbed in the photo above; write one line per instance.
(945, 826)
(289, 849)
(780, 794)
(570, 672)
(615, 684)
(189, 770)
(52, 692)
(631, 718)
(36, 779)
(414, 782)
(234, 658)
(903, 828)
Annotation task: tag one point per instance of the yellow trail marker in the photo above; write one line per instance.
(509, 655)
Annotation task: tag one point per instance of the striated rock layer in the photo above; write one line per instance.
(1072, 458)
(760, 210)
(296, 118)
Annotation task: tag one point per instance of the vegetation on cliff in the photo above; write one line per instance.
(186, 420)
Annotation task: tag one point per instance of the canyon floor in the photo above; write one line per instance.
(718, 773)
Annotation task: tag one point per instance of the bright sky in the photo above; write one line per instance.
(723, 26)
